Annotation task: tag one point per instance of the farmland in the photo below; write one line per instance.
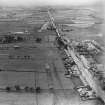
(25, 66)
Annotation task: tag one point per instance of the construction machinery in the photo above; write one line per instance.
(79, 53)
(86, 93)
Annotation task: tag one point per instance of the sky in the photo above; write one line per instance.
(51, 2)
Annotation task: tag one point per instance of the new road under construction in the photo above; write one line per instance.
(82, 67)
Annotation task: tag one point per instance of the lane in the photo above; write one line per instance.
(51, 86)
(36, 83)
(58, 79)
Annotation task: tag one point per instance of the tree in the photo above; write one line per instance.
(8, 89)
(17, 87)
(26, 88)
(38, 40)
(38, 89)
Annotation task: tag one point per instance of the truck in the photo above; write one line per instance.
(86, 93)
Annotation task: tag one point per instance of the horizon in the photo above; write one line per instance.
(48, 2)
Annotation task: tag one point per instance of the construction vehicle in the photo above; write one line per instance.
(86, 93)
(72, 72)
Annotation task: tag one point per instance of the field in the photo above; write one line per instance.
(84, 23)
